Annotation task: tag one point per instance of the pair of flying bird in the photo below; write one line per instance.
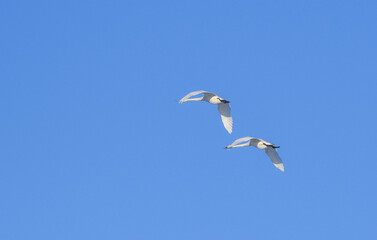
(224, 108)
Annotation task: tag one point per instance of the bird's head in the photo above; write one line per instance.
(228, 147)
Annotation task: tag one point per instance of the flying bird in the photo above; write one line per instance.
(261, 144)
(222, 105)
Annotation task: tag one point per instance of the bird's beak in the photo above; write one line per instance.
(227, 147)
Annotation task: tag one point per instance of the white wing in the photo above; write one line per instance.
(224, 109)
(274, 156)
(193, 94)
(240, 140)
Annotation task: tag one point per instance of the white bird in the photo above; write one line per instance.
(222, 105)
(261, 144)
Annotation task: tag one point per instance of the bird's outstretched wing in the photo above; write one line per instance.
(240, 140)
(274, 156)
(224, 109)
(193, 94)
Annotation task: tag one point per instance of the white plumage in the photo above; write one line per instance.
(222, 105)
(270, 149)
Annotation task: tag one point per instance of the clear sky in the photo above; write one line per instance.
(95, 146)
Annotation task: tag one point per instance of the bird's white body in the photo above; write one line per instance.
(213, 99)
(260, 144)
(222, 105)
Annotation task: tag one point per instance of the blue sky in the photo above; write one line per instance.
(95, 146)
